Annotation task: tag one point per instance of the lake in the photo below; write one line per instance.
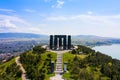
(111, 50)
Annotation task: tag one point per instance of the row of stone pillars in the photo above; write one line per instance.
(60, 42)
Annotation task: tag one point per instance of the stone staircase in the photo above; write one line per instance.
(59, 69)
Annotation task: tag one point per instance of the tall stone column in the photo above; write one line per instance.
(51, 42)
(69, 42)
(64, 43)
(60, 43)
(55, 42)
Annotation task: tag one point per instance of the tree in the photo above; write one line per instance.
(84, 75)
(38, 49)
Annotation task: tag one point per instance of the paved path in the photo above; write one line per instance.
(57, 77)
(59, 69)
(21, 67)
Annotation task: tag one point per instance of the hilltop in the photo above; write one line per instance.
(15, 43)
(82, 63)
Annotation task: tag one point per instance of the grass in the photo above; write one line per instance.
(49, 75)
(96, 71)
(82, 56)
(19, 79)
(44, 57)
(5, 65)
(105, 78)
(53, 55)
(66, 76)
(68, 56)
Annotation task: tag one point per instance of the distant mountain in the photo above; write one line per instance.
(91, 40)
(31, 35)
(21, 35)
(77, 40)
(92, 37)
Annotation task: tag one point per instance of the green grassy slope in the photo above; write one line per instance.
(86, 64)
(10, 71)
(38, 64)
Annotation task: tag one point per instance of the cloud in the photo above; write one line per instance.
(29, 10)
(58, 18)
(7, 10)
(90, 12)
(58, 3)
(13, 19)
(107, 25)
(12, 23)
(113, 19)
(6, 23)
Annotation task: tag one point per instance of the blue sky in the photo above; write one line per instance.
(75, 17)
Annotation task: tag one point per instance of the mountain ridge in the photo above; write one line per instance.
(33, 35)
(21, 35)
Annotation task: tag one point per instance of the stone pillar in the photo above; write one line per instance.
(60, 43)
(64, 43)
(52, 66)
(51, 42)
(69, 42)
(65, 66)
(55, 42)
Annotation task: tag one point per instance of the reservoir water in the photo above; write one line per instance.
(111, 50)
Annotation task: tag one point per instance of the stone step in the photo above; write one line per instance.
(58, 63)
(58, 72)
(59, 57)
(59, 67)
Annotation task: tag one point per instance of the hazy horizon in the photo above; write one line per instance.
(74, 17)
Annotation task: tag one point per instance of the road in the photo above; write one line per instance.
(24, 76)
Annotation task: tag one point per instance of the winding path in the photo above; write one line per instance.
(24, 76)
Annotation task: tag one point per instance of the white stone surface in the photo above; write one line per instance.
(59, 69)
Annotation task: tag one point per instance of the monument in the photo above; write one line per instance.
(60, 42)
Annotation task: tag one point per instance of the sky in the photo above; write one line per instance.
(73, 17)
